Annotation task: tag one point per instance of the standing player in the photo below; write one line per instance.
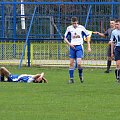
(115, 42)
(108, 34)
(76, 33)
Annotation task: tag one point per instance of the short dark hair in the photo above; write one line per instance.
(74, 19)
(112, 19)
(117, 20)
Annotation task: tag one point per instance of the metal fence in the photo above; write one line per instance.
(50, 54)
(44, 22)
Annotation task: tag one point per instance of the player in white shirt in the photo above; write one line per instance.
(77, 33)
(38, 78)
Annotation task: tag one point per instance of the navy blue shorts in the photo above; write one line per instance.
(117, 53)
(77, 52)
(13, 78)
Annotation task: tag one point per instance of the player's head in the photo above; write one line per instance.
(38, 80)
(112, 23)
(74, 21)
(117, 24)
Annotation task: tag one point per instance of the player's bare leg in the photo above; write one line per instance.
(4, 72)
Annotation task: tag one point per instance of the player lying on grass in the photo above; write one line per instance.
(38, 78)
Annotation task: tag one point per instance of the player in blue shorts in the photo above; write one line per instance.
(76, 33)
(38, 78)
(115, 48)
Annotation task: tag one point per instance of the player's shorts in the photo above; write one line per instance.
(109, 51)
(117, 53)
(13, 78)
(77, 52)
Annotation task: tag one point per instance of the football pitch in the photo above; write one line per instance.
(98, 98)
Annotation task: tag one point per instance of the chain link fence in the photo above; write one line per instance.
(51, 54)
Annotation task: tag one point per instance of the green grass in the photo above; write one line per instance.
(98, 98)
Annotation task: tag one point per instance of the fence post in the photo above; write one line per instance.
(3, 29)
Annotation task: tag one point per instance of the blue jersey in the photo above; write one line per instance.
(20, 78)
(115, 37)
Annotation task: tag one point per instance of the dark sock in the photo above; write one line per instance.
(117, 74)
(80, 71)
(108, 65)
(1, 78)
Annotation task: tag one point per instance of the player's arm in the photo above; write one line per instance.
(112, 49)
(38, 77)
(109, 43)
(66, 40)
(88, 44)
(45, 80)
(41, 76)
(112, 45)
(86, 34)
(100, 34)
